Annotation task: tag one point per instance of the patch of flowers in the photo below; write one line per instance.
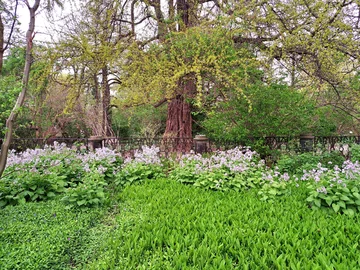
(41, 174)
(145, 164)
(337, 188)
(84, 178)
(235, 169)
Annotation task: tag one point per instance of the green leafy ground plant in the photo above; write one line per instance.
(236, 169)
(165, 225)
(42, 174)
(337, 189)
(146, 164)
(45, 235)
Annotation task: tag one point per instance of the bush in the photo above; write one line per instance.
(30, 187)
(42, 174)
(355, 152)
(146, 164)
(297, 164)
(338, 188)
(88, 193)
(237, 169)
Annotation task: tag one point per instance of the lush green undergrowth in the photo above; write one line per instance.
(165, 225)
(162, 224)
(64, 209)
(45, 235)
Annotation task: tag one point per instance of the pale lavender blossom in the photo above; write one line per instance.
(147, 155)
(322, 190)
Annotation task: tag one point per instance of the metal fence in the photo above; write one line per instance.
(168, 146)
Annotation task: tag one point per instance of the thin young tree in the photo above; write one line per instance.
(25, 80)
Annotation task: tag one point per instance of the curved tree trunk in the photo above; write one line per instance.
(25, 81)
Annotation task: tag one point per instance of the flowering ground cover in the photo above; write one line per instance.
(221, 211)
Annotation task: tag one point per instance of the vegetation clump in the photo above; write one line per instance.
(220, 211)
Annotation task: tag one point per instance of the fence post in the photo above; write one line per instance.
(201, 144)
(95, 142)
(307, 142)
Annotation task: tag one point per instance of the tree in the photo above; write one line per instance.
(8, 22)
(89, 46)
(314, 45)
(189, 69)
(25, 80)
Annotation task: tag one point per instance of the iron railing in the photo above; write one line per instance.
(167, 146)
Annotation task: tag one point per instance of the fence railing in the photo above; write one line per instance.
(167, 146)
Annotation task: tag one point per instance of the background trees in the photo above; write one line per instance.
(25, 80)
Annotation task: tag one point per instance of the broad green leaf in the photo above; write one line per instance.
(82, 202)
(344, 198)
(329, 201)
(336, 207)
(342, 204)
(349, 212)
(317, 202)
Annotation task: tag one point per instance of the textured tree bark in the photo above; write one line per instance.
(25, 81)
(179, 119)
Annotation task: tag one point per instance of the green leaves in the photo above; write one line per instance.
(206, 56)
(134, 172)
(45, 235)
(166, 225)
(88, 193)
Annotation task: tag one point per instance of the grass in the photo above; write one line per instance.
(166, 225)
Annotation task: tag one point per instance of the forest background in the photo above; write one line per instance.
(227, 69)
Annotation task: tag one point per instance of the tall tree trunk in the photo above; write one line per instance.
(179, 119)
(107, 129)
(25, 81)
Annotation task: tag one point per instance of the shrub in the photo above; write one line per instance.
(297, 164)
(337, 188)
(88, 193)
(355, 152)
(30, 187)
(41, 174)
(237, 169)
(146, 164)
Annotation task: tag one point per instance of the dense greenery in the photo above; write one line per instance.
(48, 236)
(232, 70)
(68, 209)
(38, 175)
(165, 225)
(276, 110)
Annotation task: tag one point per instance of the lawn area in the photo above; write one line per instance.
(163, 224)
